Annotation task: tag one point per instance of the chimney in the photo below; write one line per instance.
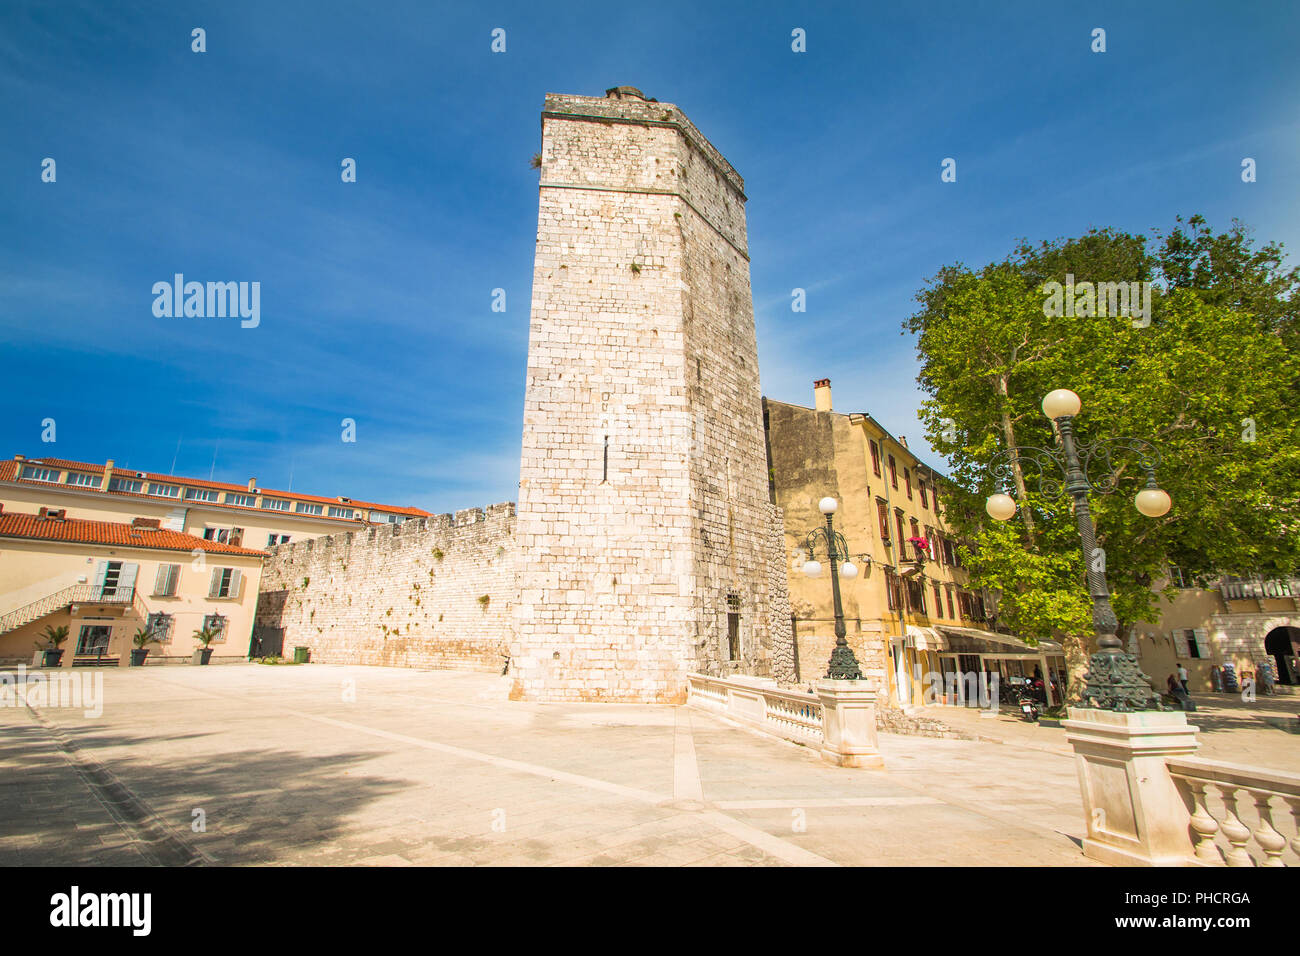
(252, 484)
(20, 457)
(902, 440)
(822, 394)
(108, 475)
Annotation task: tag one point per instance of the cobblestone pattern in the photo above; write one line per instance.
(643, 495)
(433, 592)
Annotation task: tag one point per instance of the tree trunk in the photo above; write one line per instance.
(1076, 666)
(1009, 436)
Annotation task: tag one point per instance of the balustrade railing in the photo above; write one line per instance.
(786, 714)
(1233, 807)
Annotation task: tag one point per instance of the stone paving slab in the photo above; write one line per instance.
(1264, 732)
(373, 766)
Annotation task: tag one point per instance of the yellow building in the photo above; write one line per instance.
(106, 580)
(914, 621)
(245, 515)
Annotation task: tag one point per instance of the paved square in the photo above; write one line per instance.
(366, 765)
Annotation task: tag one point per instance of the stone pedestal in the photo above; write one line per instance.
(849, 721)
(1135, 814)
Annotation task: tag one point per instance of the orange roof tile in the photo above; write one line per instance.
(9, 471)
(75, 530)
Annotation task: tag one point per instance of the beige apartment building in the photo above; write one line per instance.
(244, 515)
(106, 580)
(1233, 624)
(913, 619)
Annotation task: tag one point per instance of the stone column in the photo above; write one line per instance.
(1135, 815)
(849, 722)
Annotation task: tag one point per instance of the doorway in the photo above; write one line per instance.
(93, 639)
(1281, 646)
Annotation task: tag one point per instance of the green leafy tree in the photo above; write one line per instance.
(1209, 380)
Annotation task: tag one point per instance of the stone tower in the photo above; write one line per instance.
(645, 536)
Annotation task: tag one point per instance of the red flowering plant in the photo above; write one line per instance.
(922, 546)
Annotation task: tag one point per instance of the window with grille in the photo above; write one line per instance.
(217, 624)
(307, 508)
(202, 494)
(40, 474)
(82, 479)
(160, 626)
(733, 627)
(164, 491)
(275, 504)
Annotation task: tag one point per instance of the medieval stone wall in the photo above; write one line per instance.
(432, 592)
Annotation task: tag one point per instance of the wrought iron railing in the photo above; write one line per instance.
(76, 594)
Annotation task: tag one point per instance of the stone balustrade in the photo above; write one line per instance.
(790, 715)
(840, 721)
(1233, 805)
(1149, 802)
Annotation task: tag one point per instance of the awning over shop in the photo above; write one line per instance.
(926, 638)
(971, 640)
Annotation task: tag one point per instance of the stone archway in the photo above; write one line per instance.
(1283, 645)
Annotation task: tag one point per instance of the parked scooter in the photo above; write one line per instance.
(1026, 700)
(1029, 706)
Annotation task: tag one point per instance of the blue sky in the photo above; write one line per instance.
(376, 296)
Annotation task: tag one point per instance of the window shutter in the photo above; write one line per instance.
(161, 578)
(1180, 644)
(214, 586)
(236, 578)
(101, 570)
(127, 578)
(1201, 637)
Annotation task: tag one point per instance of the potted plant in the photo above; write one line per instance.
(52, 651)
(922, 547)
(142, 637)
(204, 635)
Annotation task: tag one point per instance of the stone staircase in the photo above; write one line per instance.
(58, 600)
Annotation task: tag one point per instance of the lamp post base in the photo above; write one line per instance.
(849, 724)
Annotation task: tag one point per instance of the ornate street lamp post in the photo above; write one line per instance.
(1115, 681)
(843, 665)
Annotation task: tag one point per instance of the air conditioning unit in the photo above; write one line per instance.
(140, 474)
